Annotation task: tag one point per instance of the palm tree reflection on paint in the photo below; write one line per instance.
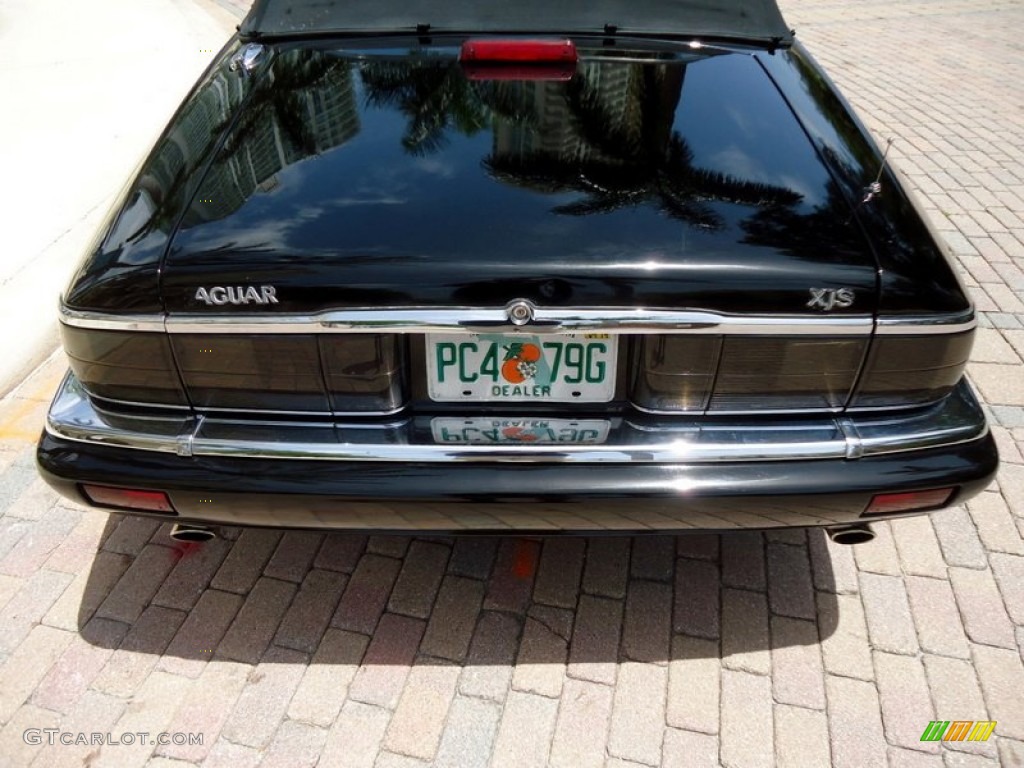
(614, 145)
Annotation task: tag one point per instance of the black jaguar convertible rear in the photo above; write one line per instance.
(533, 266)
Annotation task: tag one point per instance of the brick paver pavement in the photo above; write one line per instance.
(741, 650)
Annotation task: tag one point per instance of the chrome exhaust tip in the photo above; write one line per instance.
(856, 533)
(186, 532)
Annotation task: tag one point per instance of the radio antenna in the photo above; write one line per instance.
(874, 189)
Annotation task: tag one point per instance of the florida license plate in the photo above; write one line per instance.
(557, 368)
(483, 431)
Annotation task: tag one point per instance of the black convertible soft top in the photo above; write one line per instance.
(752, 20)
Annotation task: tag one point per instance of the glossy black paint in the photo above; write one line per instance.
(916, 269)
(315, 494)
(396, 181)
(393, 180)
(376, 181)
(120, 271)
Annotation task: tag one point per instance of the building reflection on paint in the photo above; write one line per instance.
(305, 106)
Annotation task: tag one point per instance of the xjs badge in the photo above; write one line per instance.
(830, 298)
(237, 294)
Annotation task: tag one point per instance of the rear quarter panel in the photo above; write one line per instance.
(916, 269)
(120, 270)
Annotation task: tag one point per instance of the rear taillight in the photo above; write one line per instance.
(286, 373)
(343, 373)
(675, 372)
(134, 367)
(364, 372)
(259, 372)
(912, 370)
(728, 374)
(786, 374)
(909, 501)
(128, 498)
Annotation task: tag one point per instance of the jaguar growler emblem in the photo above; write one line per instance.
(830, 298)
(237, 294)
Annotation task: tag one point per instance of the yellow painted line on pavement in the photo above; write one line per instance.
(22, 415)
(19, 423)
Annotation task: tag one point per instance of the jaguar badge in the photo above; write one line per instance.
(237, 294)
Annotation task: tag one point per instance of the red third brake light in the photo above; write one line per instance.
(519, 51)
(889, 503)
(519, 59)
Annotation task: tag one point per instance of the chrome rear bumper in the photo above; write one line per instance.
(630, 440)
(650, 475)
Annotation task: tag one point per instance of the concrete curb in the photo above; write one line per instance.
(238, 8)
(115, 94)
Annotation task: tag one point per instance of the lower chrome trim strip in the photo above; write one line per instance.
(104, 322)
(482, 320)
(854, 445)
(545, 320)
(956, 419)
(164, 407)
(494, 320)
(924, 325)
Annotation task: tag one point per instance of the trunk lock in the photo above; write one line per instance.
(520, 312)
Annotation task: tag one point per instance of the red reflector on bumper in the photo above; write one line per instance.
(127, 498)
(888, 503)
(521, 51)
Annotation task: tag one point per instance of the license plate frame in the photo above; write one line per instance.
(547, 368)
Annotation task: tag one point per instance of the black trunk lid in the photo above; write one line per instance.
(646, 180)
